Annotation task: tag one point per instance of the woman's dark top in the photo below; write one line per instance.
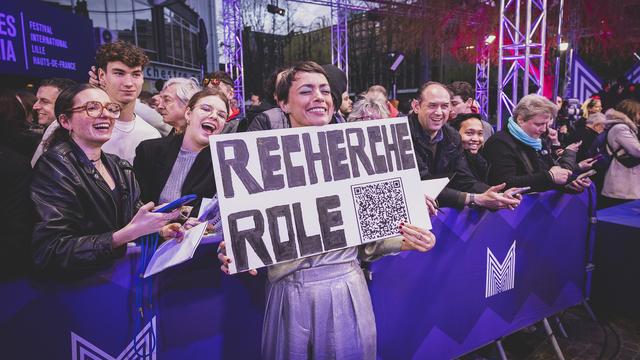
(478, 166)
(76, 212)
(154, 161)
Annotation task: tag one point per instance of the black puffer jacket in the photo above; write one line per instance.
(76, 212)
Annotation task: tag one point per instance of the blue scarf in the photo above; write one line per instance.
(522, 136)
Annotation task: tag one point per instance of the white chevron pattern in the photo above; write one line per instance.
(500, 275)
(145, 340)
(584, 82)
(633, 75)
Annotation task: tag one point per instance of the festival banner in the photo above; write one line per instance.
(38, 39)
(292, 193)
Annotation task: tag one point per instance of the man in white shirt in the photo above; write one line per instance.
(120, 66)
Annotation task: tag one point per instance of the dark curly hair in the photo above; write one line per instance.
(457, 122)
(126, 52)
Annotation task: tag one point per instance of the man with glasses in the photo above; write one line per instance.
(120, 66)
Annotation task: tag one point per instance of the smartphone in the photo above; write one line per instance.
(586, 174)
(521, 190)
(177, 203)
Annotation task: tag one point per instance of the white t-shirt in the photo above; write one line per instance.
(127, 135)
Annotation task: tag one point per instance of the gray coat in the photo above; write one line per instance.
(621, 182)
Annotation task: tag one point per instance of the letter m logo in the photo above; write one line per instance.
(142, 347)
(500, 275)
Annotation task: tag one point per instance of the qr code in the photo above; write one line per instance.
(380, 207)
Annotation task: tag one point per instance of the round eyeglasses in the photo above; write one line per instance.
(95, 109)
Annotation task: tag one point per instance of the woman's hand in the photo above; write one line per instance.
(574, 147)
(587, 164)
(559, 175)
(172, 231)
(432, 205)
(144, 222)
(93, 78)
(578, 185)
(225, 260)
(553, 136)
(416, 238)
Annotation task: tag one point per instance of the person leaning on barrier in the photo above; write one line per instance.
(439, 153)
(87, 201)
(519, 156)
(471, 132)
(173, 102)
(179, 165)
(298, 291)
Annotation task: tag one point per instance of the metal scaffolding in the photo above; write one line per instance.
(340, 35)
(521, 53)
(232, 47)
(482, 79)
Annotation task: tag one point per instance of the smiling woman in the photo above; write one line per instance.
(312, 291)
(171, 167)
(87, 201)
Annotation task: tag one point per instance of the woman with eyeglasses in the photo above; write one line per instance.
(171, 167)
(87, 201)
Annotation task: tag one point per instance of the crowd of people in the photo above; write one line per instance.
(85, 185)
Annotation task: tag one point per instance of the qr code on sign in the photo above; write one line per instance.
(380, 207)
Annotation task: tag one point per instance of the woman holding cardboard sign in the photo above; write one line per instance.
(320, 306)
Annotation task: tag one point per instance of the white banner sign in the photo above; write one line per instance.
(290, 193)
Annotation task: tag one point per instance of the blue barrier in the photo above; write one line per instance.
(489, 275)
(431, 305)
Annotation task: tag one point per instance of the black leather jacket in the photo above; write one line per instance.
(76, 212)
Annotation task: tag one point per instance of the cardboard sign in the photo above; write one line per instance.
(290, 193)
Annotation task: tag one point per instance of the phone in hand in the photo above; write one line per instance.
(521, 190)
(177, 203)
(586, 174)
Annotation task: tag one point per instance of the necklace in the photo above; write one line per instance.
(96, 160)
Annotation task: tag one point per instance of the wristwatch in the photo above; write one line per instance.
(472, 200)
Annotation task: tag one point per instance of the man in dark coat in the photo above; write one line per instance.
(439, 153)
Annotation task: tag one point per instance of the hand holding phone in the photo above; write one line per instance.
(176, 203)
(519, 191)
(589, 173)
